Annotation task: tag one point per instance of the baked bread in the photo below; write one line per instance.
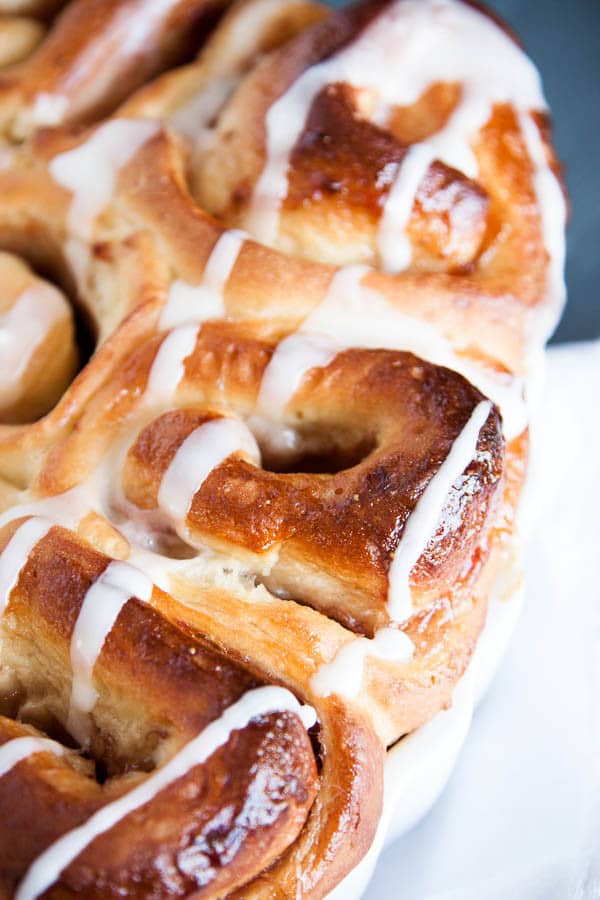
(94, 54)
(287, 478)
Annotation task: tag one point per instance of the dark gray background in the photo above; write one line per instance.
(563, 38)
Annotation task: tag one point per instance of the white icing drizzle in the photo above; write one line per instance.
(64, 509)
(18, 749)
(294, 356)
(69, 508)
(259, 702)
(49, 109)
(168, 367)
(399, 56)
(394, 245)
(199, 302)
(424, 519)
(99, 611)
(22, 329)
(131, 34)
(16, 553)
(450, 145)
(354, 315)
(90, 171)
(122, 36)
(199, 454)
(345, 673)
(553, 215)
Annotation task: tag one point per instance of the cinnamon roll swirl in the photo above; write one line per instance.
(316, 264)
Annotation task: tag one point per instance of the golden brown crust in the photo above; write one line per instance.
(342, 169)
(486, 324)
(247, 29)
(385, 463)
(174, 844)
(69, 71)
(483, 239)
(259, 786)
(71, 440)
(38, 379)
(280, 565)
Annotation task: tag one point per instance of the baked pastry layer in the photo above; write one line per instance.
(288, 470)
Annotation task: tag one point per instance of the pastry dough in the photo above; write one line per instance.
(291, 467)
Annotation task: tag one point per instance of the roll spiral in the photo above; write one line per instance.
(288, 474)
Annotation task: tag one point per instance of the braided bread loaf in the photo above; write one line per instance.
(279, 492)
